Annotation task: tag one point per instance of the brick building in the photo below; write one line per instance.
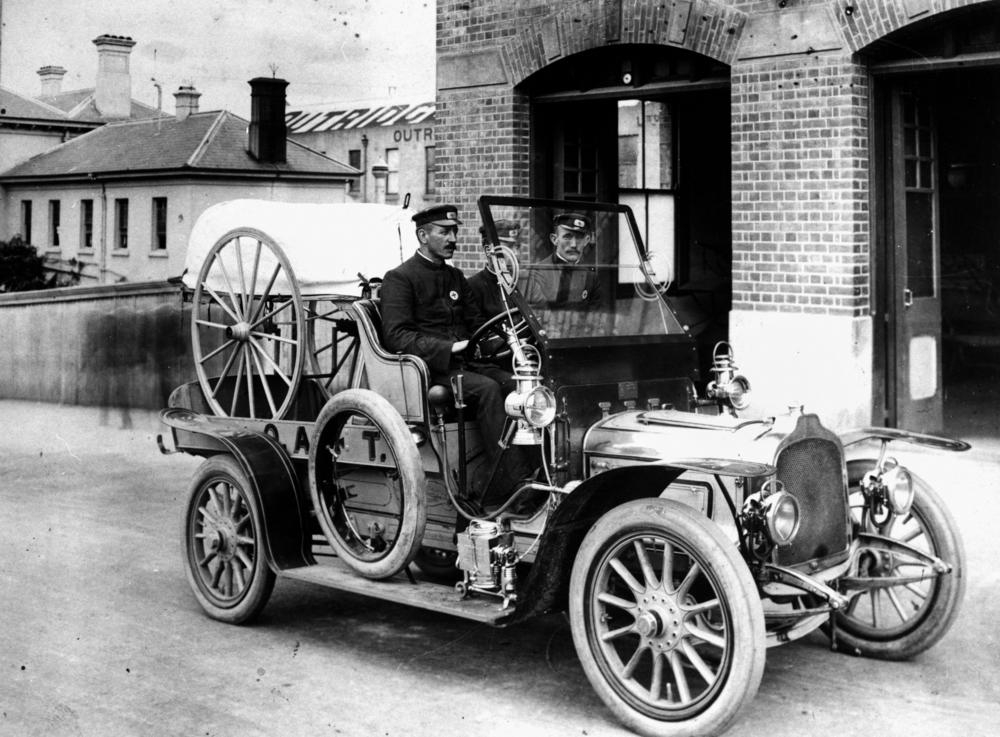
(827, 171)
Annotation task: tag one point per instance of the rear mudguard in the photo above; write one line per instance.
(273, 483)
(546, 585)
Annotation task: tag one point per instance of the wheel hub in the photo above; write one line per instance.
(660, 621)
(223, 540)
(240, 331)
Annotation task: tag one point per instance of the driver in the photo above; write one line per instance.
(484, 282)
(561, 280)
(429, 311)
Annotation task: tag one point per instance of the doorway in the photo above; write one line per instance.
(940, 249)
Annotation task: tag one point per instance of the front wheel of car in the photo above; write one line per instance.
(666, 620)
(898, 622)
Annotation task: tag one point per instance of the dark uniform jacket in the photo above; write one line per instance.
(555, 283)
(486, 292)
(426, 308)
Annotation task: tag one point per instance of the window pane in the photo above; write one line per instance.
(920, 243)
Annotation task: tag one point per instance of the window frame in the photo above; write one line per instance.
(430, 170)
(27, 217)
(392, 175)
(86, 224)
(55, 218)
(157, 222)
(121, 224)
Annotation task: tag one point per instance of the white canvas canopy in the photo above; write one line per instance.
(327, 245)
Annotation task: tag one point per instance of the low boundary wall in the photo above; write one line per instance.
(121, 345)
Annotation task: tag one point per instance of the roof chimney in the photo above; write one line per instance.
(267, 119)
(51, 80)
(113, 95)
(185, 101)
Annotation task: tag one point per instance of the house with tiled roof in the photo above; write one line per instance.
(118, 203)
(32, 125)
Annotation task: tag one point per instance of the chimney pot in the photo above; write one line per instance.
(268, 133)
(186, 101)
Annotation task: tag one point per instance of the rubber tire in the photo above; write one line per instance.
(408, 464)
(932, 626)
(722, 559)
(258, 590)
(438, 565)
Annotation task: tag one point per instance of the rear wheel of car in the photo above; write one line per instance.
(224, 543)
(367, 483)
(898, 622)
(666, 620)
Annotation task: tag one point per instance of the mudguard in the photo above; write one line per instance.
(546, 585)
(273, 483)
(888, 434)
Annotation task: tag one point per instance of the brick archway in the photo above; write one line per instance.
(703, 26)
(864, 22)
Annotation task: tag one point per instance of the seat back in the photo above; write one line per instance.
(402, 379)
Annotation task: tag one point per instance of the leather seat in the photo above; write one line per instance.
(392, 373)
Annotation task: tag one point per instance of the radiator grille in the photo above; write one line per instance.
(813, 470)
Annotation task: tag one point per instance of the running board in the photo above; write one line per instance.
(423, 594)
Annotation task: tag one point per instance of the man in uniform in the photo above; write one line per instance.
(484, 282)
(561, 281)
(428, 310)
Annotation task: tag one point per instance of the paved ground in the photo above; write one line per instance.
(99, 634)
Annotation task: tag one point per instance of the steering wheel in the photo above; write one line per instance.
(489, 342)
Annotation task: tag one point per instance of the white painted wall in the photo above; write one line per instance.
(186, 200)
(821, 361)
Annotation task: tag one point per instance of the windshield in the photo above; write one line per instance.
(580, 267)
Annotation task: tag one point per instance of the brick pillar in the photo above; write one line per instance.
(800, 323)
(481, 148)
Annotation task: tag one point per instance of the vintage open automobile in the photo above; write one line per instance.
(682, 539)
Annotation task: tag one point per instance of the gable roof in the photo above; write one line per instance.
(81, 105)
(203, 143)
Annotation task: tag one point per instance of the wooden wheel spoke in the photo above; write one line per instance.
(896, 604)
(612, 600)
(272, 336)
(270, 362)
(225, 371)
(644, 564)
(263, 379)
(707, 637)
(264, 297)
(244, 296)
(236, 388)
(689, 579)
(238, 578)
(221, 303)
(256, 266)
(236, 303)
(627, 576)
(667, 574)
(249, 376)
(680, 679)
(696, 660)
(656, 685)
(283, 306)
(633, 662)
(702, 607)
(210, 324)
(615, 634)
(217, 351)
